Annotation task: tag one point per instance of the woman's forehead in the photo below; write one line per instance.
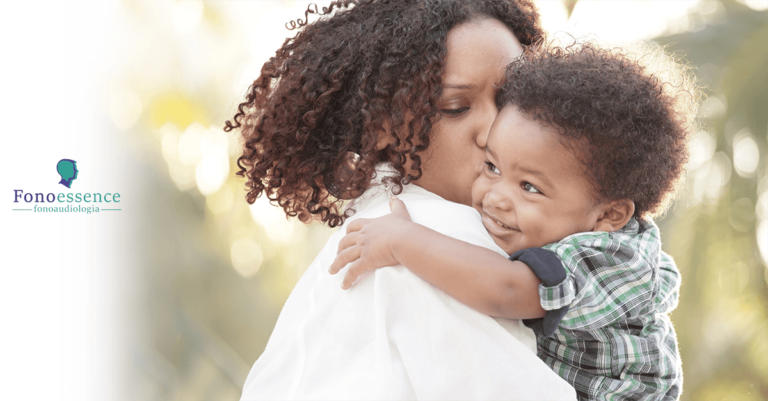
(478, 52)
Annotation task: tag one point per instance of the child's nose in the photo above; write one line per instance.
(499, 200)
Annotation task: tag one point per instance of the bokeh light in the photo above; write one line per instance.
(762, 240)
(246, 256)
(746, 154)
(702, 148)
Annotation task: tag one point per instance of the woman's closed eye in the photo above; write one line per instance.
(492, 168)
(454, 112)
(528, 187)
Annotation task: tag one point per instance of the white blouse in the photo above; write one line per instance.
(393, 335)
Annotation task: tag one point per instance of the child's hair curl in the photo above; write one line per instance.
(311, 121)
(628, 114)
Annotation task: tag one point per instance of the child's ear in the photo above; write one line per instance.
(615, 215)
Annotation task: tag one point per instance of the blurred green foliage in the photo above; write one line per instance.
(722, 319)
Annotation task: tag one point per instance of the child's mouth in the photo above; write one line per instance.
(495, 226)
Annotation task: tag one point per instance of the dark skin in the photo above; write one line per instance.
(478, 51)
(533, 191)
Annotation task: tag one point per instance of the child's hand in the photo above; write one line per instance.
(369, 243)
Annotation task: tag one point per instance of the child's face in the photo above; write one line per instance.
(533, 191)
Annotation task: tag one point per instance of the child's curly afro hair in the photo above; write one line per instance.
(311, 120)
(627, 115)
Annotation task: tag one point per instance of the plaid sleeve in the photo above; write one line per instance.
(549, 269)
(606, 278)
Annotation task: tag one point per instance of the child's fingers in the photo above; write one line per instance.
(356, 225)
(345, 257)
(398, 208)
(347, 241)
(355, 270)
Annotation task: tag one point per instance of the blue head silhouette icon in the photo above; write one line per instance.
(67, 169)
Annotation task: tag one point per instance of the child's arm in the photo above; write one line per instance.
(477, 277)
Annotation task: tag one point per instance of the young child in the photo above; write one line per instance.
(587, 147)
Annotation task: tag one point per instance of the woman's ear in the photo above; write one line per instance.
(615, 215)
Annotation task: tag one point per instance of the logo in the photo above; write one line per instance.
(66, 202)
(67, 169)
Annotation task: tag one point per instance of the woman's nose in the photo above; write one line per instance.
(485, 125)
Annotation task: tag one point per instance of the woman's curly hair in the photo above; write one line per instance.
(627, 114)
(311, 121)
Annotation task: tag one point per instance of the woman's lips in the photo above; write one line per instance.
(496, 227)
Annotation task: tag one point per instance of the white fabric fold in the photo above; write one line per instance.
(395, 336)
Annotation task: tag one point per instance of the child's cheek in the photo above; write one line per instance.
(533, 223)
(479, 189)
(526, 220)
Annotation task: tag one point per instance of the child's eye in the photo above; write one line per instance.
(454, 112)
(527, 186)
(492, 168)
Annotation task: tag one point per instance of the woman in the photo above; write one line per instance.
(387, 97)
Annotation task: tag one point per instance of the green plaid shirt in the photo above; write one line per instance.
(614, 340)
